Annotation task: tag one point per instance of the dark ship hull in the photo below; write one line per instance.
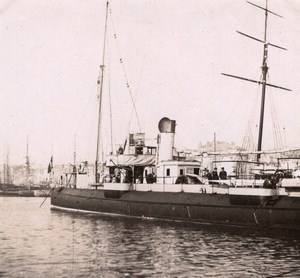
(223, 209)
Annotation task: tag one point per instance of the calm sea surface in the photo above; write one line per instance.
(40, 242)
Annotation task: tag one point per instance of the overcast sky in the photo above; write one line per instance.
(173, 53)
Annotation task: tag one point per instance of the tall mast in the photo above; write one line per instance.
(27, 160)
(264, 81)
(74, 169)
(27, 165)
(74, 152)
(100, 86)
(7, 169)
(264, 68)
(4, 167)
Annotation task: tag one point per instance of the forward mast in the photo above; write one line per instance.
(100, 86)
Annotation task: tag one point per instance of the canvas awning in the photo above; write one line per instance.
(132, 160)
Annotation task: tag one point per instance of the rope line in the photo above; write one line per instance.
(124, 71)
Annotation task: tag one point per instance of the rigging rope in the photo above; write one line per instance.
(248, 142)
(142, 68)
(277, 138)
(110, 104)
(278, 143)
(137, 88)
(248, 139)
(124, 71)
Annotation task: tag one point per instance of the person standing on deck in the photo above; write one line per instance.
(215, 175)
(223, 174)
(207, 174)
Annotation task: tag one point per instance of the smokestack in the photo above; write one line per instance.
(166, 139)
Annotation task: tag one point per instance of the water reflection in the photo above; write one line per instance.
(46, 243)
(143, 247)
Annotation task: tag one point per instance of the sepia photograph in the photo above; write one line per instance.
(150, 138)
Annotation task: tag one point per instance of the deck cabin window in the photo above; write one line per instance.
(168, 172)
(189, 170)
(139, 150)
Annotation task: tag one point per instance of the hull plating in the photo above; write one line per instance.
(263, 212)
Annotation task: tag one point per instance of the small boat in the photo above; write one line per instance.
(158, 182)
(41, 192)
(26, 193)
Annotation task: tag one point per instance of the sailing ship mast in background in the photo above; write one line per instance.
(74, 155)
(74, 169)
(7, 178)
(27, 163)
(264, 68)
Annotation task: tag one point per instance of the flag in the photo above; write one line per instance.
(50, 166)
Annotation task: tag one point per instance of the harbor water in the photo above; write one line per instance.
(40, 242)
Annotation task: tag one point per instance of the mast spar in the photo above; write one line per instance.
(100, 85)
(264, 68)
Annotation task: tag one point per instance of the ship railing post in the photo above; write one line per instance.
(164, 175)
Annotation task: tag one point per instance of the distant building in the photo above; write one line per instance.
(217, 146)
